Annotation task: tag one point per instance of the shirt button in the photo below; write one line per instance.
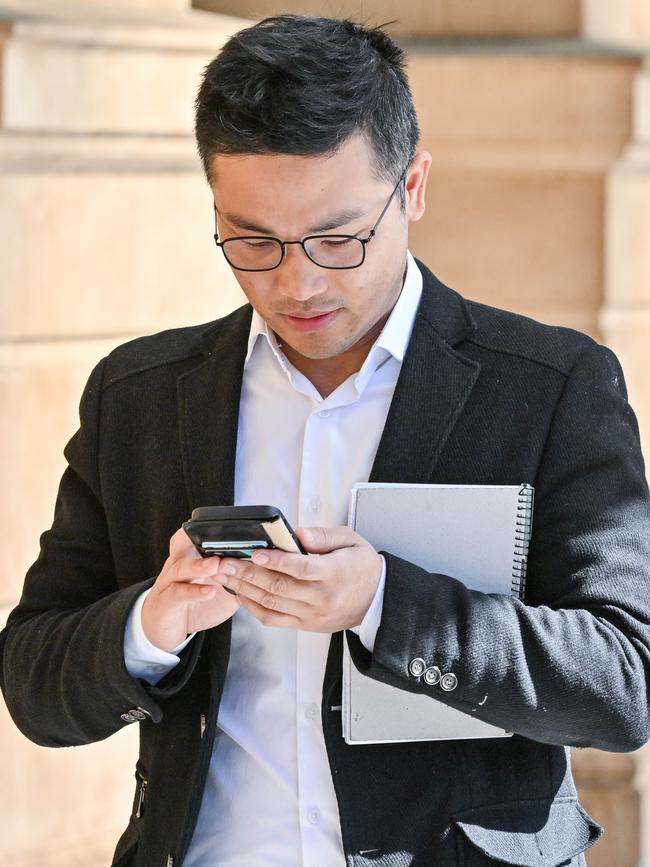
(314, 506)
(324, 413)
(311, 711)
(314, 815)
(158, 669)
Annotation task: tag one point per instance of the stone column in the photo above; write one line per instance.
(105, 233)
(625, 315)
(625, 318)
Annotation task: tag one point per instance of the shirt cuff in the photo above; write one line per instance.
(367, 629)
(142, 658)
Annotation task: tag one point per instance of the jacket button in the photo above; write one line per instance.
(432, 675)
(448, 681)
(136, 714)
(417, 666)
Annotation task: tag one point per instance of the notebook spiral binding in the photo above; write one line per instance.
(523, 529)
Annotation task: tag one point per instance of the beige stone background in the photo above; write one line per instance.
(538, 119)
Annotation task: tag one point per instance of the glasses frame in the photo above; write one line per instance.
(284, 244)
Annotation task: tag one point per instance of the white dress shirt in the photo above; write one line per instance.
(269, 799)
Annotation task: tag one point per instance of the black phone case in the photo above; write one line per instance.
(238, 531)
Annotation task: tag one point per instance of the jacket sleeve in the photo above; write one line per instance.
(62, 667)
(570, 664)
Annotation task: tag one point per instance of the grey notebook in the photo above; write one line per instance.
(478, 534)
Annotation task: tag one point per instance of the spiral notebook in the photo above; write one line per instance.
(478, 534)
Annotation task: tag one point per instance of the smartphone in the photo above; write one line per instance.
(240, 531)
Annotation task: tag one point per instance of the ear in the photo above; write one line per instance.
(415, 185)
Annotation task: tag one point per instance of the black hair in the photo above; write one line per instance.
(303, 85)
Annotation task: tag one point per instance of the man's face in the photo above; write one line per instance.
(318, 313)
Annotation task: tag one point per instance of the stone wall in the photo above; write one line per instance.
(444, 18)
(625, 326)
(105, 228)
(522, 139)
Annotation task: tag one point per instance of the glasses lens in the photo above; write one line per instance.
(334, 251)
(253, 254)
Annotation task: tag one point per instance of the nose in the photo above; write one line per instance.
(298, 277)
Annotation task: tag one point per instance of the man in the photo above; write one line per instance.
(354, 362)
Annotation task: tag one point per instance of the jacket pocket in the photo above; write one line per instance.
(534, 833)
(141, 784)
(127, 845)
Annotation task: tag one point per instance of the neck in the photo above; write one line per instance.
(326, 374)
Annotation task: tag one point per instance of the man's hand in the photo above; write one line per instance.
(185, 597)
(323, 593)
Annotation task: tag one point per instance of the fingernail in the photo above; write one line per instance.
(228, 570)
(307, 535)
(260, 559)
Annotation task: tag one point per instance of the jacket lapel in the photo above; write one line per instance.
(433, 386)
(208, 404)
(434, 383)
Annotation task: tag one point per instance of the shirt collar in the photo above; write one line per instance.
(260, 329)
(392, 341)
(396, 333)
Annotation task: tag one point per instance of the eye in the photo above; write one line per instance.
(337, 242)
(258, 243)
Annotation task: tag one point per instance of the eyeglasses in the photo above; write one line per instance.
(262, 253)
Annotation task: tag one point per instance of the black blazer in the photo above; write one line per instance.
(484, 396)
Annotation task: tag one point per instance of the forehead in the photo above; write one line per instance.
(285, 187)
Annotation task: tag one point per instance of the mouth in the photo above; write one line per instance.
(312, 321)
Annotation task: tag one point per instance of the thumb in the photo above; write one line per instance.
(180, 545)
(322, 540)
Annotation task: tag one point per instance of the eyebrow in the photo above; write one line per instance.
(336, 220)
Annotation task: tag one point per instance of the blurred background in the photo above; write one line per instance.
(538, 119)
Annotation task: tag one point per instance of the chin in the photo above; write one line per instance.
(319, 349)
(320, 352)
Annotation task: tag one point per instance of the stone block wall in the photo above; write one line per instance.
(445, 18)
(522, 139)
(105, 234)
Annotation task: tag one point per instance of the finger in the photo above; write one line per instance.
(323, 540)
(268, 617)
(180, 545)
(267, 600)
(254, 581)
(305, 568)
(188, 570)
(197, 570)
(182, 592)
